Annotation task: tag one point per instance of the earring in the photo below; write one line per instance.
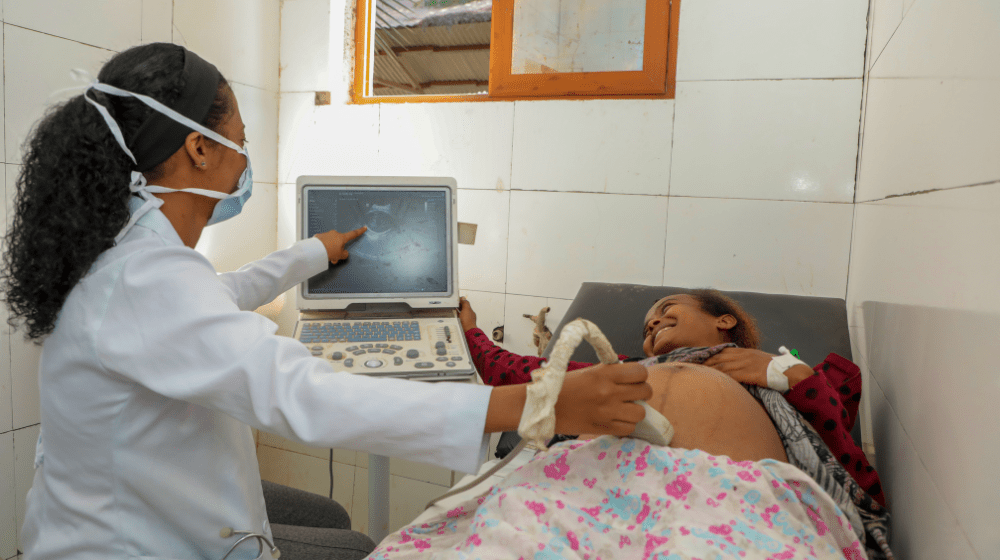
(203, 164)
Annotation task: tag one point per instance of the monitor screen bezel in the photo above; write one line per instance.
(416, 300)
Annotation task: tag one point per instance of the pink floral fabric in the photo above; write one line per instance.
(623, 498)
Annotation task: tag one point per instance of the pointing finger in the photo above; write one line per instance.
(354, 234)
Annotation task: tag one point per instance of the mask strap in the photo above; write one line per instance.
(156, 105)
(138, 185)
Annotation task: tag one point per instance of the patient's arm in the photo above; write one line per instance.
(712, 412)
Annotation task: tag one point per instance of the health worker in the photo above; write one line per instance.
(155, 368)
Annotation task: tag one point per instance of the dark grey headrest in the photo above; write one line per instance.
(814, 326)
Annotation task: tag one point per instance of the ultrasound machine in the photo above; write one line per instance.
(391, 308)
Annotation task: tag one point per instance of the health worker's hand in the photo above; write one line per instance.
(601, 400)
(750, 366)
(466, 315)
(335, 242)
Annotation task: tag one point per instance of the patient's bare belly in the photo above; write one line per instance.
(712, 412)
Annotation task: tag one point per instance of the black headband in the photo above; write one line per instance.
(161, 136)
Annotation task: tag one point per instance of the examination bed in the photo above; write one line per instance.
(814, 326)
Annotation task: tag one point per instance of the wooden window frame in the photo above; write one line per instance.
(659, 60)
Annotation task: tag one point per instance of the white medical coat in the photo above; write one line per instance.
(150, 382)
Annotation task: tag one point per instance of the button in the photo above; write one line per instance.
(337, 356)
(381, 346)
(317, 352)
(442, 352)
(450, 364)
(387, 351)
(424, 365)
(439, 344)
(367, 346)
(359, 352)
(349, 362)
(456, 358)
(317, 348)
(397, 361)
(443, 359)
(412, 354)
(374, 363)
(396, 347)
(374, 351)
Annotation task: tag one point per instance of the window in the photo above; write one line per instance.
(480, 50)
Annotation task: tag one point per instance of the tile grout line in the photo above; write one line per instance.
(60, 37)
(510, 204)
(670, 178)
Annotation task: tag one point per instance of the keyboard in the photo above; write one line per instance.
(427, 348)
(353, 331)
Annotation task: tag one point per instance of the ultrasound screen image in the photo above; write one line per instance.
(405, 249)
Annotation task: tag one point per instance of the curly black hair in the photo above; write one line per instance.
(745, 334)
(73, 190)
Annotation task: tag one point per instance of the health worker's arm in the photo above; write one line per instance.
(259, 282)
(173, 327)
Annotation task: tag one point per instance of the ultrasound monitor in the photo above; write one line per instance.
(406, 256)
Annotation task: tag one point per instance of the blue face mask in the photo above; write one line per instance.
(229, 205)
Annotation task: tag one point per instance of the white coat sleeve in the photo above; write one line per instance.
(173, 327)
(259, 282)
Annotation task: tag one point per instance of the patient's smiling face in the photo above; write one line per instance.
(678, 321)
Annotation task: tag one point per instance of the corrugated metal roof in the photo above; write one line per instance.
(428, 58)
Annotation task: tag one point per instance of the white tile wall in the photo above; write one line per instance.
(407, 498)
(24, 470)
(24, 357)
(37, 65)
(109, 24)
(944, 39)
(483, 266)
(259, 110)
(909, 148)
(560, 240)
(759, 246)
(468, 141)
(244, 48)
(518, 330)
(305, 45)
(785, 139)
(233, 243)
(615, 146)
(489, 309)
(6, 413)
(772, 39)
(887, 15)
(8, 516)
(326, 140)
(157, 21)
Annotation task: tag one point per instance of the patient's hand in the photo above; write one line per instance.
(466, 315)
(750, 366)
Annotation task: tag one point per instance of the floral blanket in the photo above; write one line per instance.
(623, 498)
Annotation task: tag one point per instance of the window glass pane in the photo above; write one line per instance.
(431, 47)
(578, 36)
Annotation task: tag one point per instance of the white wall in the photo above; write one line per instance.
(42, 41)
(923, 298)
(745, 181)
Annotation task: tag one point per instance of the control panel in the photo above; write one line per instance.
(423, 347)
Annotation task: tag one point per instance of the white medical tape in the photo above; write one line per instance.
(776, 378)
